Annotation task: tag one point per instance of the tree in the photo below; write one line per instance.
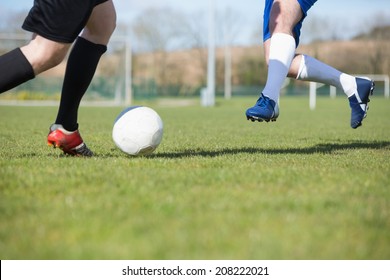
(194, 32)
(158, 31)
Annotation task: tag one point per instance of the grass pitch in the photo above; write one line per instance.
(218, 187)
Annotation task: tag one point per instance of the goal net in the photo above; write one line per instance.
(111, 84)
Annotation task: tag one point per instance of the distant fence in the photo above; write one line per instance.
(120, 87)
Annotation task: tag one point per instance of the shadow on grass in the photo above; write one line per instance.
(324, 148)
(327, 148)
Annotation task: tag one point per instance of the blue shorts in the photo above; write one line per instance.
(305, 6)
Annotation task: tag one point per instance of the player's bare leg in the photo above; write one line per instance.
(283, 16)
(101, 24)
(279, 54)
(23, 64)
(82, 63)
(44, 54)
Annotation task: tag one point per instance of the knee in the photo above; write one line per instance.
(111, 24)
(110, 27)
(44, 55)
(278, 22)
(284, 16)
(101, 26)
(100, 34)
(104, 27)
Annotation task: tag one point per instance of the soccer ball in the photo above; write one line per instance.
(138, 131)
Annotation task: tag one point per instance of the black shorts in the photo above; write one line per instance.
(59, 20)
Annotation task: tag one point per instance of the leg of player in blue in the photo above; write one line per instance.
(265, 109)
(282, 24)
(358, 101)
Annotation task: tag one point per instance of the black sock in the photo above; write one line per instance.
(14, 70)
(81, 67)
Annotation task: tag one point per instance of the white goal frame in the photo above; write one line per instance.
(123, 91)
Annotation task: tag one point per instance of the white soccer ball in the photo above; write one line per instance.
(138, 131)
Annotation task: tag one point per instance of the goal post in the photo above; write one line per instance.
(112, 84)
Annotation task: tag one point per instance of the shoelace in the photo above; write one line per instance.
(263, 102)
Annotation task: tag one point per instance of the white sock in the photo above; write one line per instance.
(282, 51)
(60, 127)
(314, 70)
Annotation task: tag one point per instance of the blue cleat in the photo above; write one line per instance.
(359, 101)
(265, 109)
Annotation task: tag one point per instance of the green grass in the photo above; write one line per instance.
(218, 187)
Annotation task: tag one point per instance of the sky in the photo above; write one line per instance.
(350, 13)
